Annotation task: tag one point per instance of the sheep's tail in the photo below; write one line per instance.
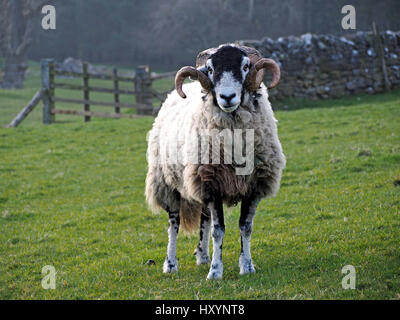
(189, 215)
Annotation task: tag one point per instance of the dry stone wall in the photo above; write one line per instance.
(328, 66)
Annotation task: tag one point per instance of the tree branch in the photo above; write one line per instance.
(27, 37)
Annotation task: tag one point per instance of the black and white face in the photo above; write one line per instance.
(227, 69)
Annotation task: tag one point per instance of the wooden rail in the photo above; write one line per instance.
(95, 114)
(24, 113)
(94, 89)
(163, 75)
(100, 103)
(93, 76)
(142, 90)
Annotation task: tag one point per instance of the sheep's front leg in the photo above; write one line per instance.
(218, 232)
(201, 252)
(247, 213)
(171, 264)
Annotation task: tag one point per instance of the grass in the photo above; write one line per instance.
(71, 196)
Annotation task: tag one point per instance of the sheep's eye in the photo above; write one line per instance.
(210, 71)
(245, 67)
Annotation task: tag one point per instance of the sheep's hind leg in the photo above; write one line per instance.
(202, 251)
(218, 232)
(171, 264)
(247, 213)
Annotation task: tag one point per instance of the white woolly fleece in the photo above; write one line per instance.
(180, 118)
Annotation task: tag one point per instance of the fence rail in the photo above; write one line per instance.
(25, 111)
(141, 88)
(93, 76)
(95, 114)
(94, 89)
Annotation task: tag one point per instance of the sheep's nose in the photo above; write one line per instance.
(228, 98)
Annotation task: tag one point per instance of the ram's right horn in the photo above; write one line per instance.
(195, 74)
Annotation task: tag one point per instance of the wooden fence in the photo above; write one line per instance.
(142, 89)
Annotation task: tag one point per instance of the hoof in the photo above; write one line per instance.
(215, 273)
(246, 266)
(170, 266)
(201, 258)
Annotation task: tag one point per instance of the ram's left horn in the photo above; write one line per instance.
(254, 81)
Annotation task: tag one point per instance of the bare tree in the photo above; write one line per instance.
(17, 18)
(167, 34)
(192, 26)
(251, 10)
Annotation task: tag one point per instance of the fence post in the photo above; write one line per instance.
(142, 89)
(86, 106)
(381, 55)
(47, 70)
(116, 92)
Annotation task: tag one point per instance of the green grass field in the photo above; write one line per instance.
(72, 196)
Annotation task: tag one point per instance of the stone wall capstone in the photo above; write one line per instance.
(329, 66)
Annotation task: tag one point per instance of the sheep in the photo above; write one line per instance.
(228, 97)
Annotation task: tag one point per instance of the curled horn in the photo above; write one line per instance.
(256, 74)
(254, 79)
(185, 72)
(196, 74)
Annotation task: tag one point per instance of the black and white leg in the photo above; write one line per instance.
(218, 232)
(171, 264)
(247, 213)
(202, 251)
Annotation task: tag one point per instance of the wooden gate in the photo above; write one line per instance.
(141, 88)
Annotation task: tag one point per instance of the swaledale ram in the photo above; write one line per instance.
(191, 171)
